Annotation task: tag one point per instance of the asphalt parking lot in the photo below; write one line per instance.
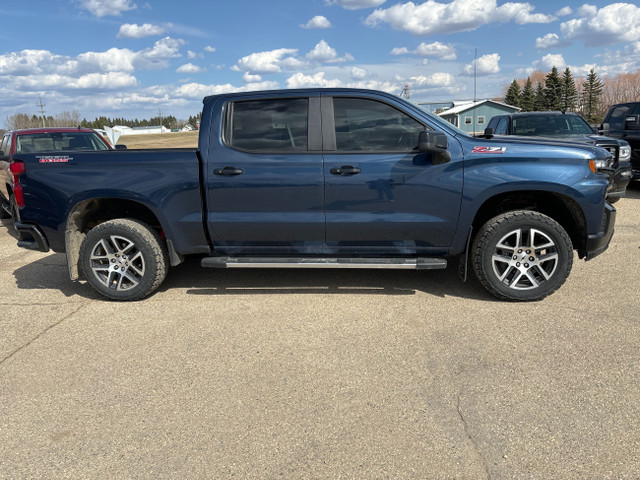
(321, 374)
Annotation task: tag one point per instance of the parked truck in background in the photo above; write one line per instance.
(623, 121)
(571, 127)
(320, 178)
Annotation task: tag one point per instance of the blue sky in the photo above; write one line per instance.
(134, 58)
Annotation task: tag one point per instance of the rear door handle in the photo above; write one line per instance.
(345, 170)
(229, 171)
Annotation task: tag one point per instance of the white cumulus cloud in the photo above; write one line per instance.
(323, 53)
(133, 30)
(429, 50)
(247, 77)
(273, 61)
(358, 73)
(485, 65)
(550, 40)
(319, 21)
(300, 80)
(564, 11)
(103, 8)
(549, 61)
(189, 68)
(432, 17)
(439, 79)
(617, 22)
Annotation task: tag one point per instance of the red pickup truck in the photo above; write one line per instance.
(39, 140)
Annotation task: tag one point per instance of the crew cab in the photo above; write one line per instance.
(572, 127)
(623, 121)
(320, 178)
(40, 140)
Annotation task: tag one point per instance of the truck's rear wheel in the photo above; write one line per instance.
(522, 255)
(123, 259)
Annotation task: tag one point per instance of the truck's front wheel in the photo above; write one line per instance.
(522, 255)
(123, 259)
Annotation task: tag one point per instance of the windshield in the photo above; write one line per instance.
(551, 125)
(58, 141)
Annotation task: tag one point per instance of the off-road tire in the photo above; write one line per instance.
(123, 259)
(522, 255)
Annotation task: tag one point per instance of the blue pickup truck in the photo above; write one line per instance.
(320, 178)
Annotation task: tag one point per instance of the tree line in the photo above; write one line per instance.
(589, 96)
(72, 119)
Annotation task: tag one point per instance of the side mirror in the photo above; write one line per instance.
(632, 122)
(489, 132)
(120, 147)
(436, 143)
(604, 129)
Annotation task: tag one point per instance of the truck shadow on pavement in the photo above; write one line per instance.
(50, 273)
(633, 190)
(205, 281)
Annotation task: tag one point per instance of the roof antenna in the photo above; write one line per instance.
(475, 68)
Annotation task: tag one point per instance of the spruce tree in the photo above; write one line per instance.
(591, 93)
(553, 90)
(569, 92)
(539, 100)
(513, 94)
(528, 96)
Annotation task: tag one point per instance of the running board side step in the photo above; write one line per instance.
(421, 263)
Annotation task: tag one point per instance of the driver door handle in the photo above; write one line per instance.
(228, 171)
(345, 170)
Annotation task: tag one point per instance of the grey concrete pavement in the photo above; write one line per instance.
(330, 374)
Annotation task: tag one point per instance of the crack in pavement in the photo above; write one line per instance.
(476, 447)
(53, 325)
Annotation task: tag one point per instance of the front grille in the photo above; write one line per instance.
(614, 150)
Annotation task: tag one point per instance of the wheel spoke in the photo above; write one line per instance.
(501, 258)
(514, 281)
(532, 279)
(505, 273)
(131, 278)
(548, 257)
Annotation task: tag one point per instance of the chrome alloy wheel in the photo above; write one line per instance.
(525, 259)
(117, 263)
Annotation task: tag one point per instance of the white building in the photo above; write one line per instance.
(123, 130)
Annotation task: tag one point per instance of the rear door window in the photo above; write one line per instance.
(277, 125)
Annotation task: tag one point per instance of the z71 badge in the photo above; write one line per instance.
(54, 159)
(489, 149)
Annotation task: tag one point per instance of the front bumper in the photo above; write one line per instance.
(31, 237)
(620, 180)
(598, 243)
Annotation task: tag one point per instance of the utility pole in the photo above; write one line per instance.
(41, 105)
(160, 115)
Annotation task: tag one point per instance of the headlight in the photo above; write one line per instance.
(602, 163)
(625, 153)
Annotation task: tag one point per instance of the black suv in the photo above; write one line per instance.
(623, 121)
(573, 128)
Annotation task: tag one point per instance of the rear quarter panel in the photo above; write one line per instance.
(165, 181)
